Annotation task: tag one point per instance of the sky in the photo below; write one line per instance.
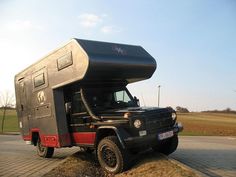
(192, 41)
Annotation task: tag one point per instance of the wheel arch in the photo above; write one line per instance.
(105, 131)
(34, 137)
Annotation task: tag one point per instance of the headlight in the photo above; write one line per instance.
(174, 116)
(137, 123)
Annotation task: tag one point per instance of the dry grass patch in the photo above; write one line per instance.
(148, 163)
(205, 124)
(152, 164)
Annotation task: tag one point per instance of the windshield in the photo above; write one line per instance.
(109, 98)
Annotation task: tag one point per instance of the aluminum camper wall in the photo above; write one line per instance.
(39, 97)
(39, 88)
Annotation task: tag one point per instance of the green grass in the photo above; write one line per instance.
(11, 121)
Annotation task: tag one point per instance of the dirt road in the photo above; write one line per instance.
(19, 159)
(213, 156)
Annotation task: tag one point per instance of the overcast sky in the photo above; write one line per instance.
(193, 42)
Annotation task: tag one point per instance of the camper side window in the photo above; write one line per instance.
(39, 80)
(64, 61)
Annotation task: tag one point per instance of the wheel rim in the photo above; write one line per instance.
(109, 156)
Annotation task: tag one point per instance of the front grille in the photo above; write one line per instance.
(158, 121)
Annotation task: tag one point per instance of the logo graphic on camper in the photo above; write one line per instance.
(119, 50)
(41, 97)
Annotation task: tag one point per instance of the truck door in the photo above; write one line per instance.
(80, 123)
(24, 120)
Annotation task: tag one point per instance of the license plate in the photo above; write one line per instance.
(165, 135)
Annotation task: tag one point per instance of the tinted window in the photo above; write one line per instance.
(108, 98)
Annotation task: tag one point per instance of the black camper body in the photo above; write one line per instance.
(58, 97)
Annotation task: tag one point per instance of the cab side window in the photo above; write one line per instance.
(121, 96)
(77, 104)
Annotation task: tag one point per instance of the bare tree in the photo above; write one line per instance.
(6, 101)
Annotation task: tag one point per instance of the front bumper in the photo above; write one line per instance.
(150, 139)
(178, 127)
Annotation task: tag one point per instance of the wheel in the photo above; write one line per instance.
(43, 151)
(168, 146)
(111, 156)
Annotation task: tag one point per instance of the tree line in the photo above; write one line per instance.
(185, 110)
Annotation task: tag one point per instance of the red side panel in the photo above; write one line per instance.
(27, 138)
(50, 140)
(84, 137)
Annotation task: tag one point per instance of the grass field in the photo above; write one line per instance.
(201, 124)
(11, 121)
(212, 124)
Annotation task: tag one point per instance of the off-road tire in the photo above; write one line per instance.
(167, 146)
(42, 151)
(111, 156)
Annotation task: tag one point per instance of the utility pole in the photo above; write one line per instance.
(159, 90)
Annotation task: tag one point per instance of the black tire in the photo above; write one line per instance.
(111, 156)
(42, 151)
(167, 146)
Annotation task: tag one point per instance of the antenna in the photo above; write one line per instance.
(159, 90)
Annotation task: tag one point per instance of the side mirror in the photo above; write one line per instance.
(68, 107)
(136, 100)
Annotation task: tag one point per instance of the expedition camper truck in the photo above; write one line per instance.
(77, 96)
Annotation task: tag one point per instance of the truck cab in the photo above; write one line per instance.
(110, 112)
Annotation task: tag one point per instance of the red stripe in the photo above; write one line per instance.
(50, 140)
(63, 140)
(27, 138)
(46, 140)
(34, 130)
(84, 137)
